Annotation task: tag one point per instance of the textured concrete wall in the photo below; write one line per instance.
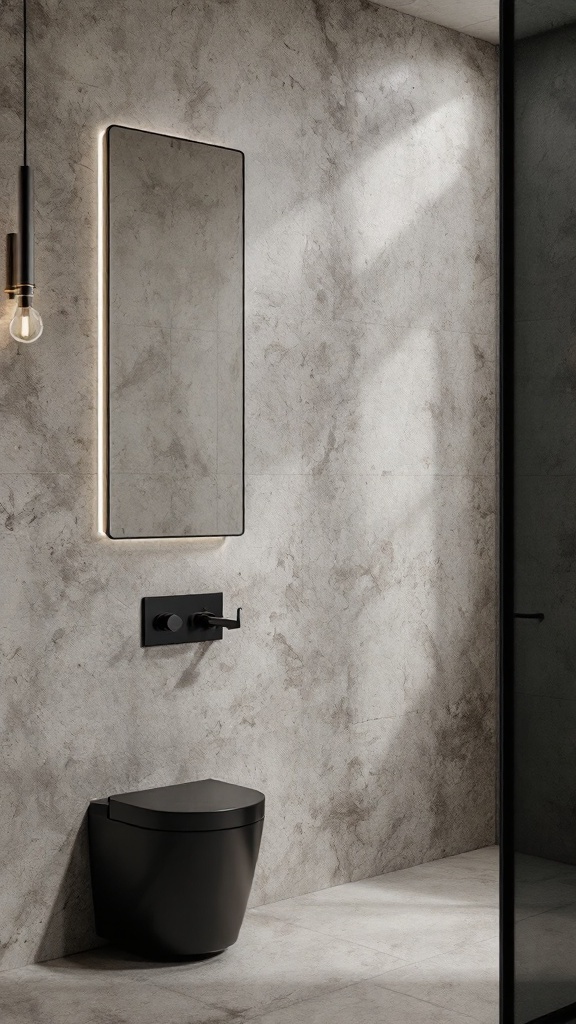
(359, 693)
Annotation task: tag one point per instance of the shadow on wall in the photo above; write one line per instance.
(70, 924)
(403, 424)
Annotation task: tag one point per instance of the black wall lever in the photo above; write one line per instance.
(539, 616)
(184, 619)
(206, 620)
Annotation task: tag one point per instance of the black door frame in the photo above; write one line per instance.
(506, 511)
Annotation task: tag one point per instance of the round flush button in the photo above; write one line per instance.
(168, 623)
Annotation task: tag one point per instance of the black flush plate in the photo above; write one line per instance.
(186, 606)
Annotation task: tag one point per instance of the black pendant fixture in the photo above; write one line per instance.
(26, 324)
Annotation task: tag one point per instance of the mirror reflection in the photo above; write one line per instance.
(175, 337)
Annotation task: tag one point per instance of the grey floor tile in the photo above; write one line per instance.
(467, 869)
(546, 962)
(273, 964)
(365, 1003)
(413, 947)
(532, 898)
(538, 869)
(465, 981)
(407, 916)
(44, 994)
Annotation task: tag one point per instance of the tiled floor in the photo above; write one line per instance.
(414, 947)
(545, 936)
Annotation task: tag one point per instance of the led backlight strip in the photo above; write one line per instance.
(102, 339)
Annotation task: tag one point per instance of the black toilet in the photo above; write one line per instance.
(172, 868)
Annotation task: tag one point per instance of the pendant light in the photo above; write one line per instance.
(26, 325)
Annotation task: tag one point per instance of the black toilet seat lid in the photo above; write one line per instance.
(202, 806)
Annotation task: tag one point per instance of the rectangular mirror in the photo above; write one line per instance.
(175, 330)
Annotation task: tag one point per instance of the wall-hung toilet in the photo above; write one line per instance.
(172, 868)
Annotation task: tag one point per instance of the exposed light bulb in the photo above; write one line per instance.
(26, 324)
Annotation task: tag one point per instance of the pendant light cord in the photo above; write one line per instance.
(25, 77)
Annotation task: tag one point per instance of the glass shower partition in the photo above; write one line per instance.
(538, 800)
